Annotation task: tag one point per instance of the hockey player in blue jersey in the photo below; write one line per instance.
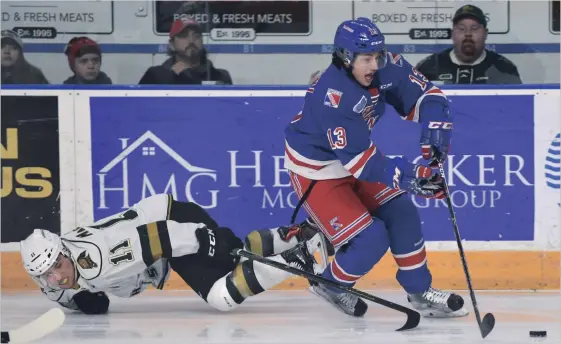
(357, 196)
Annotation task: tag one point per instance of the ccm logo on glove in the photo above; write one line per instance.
(440, 125)
(211, 242)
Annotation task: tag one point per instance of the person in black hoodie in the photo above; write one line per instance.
(188, 62)
(84, 59)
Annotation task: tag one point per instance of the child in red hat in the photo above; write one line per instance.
(84, 59)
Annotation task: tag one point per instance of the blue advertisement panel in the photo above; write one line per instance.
(227, 154)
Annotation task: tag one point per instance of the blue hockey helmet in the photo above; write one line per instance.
(359, 36)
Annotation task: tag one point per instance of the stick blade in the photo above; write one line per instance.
(38, 328)
(413, 319)
(487, 324)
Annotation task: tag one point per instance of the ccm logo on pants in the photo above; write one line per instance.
(211, 242)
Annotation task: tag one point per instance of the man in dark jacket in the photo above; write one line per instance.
(188, 62)
(84, 59)
(468, 62)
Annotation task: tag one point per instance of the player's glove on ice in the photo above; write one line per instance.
(417, 179)
(216, 244)
(91, 303)
(436, 132)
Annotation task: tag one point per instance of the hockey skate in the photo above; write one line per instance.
(347, 303)
(303, 232)
(301, 256)
(435, 303)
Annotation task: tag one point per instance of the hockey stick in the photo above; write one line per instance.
(36, 329)
(485, 326)
(413, 317)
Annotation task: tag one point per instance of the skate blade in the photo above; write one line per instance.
(433, 313)
(313, 291)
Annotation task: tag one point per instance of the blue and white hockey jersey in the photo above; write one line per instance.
(330, 137)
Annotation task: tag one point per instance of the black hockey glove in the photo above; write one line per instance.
(216, 244)
(91, 303)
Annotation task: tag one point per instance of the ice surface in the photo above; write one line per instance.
(286, 317)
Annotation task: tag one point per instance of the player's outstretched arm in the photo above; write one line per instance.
(79, 300)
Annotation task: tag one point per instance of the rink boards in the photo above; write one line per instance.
(71, 156)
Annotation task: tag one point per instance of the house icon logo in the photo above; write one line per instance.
(130, 179)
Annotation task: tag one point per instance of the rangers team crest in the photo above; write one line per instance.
(359, 107)
(332, 98)
(335, 224)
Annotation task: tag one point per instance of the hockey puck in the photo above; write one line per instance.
(538, 333)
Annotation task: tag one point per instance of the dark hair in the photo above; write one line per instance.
(337, 62)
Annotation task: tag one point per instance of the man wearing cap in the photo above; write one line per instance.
(468, 62)
(188, 62)
(84, 59)
(15, 68)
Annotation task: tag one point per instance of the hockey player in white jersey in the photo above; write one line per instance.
(125, 253)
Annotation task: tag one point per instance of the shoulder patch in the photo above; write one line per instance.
(360, 105)
(332, 98)
(88, 258)
(85, 261)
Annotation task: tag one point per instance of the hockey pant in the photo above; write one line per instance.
(343, 208)
(226, 285)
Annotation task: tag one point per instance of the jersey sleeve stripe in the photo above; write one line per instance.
(387, 195)
(163, 234)
(154, 241)
(145, 245)
(356, 165)
(170, 201)
(414, 113)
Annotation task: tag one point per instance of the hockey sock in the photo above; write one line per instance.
(355, 258)
(407, 244)
(251, 278)
(268, 242)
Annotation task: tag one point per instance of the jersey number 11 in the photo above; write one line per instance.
(121, 252)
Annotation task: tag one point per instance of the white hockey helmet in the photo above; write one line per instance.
(39, 251)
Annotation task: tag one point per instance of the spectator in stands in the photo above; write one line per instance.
(188, 62)
(84, 59)
(15, 68)
(468, 62)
